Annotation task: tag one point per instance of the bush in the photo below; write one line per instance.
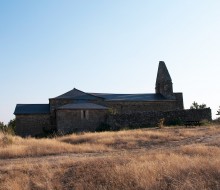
(161, 123)
(205, 122)
(218, 112)
(9, 129)
(195, 105)
(2, 126)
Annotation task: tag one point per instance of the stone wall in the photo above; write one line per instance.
(32, 125)
(69, 121)
(151, 118)
(55, 103)
(179, 100)
(134, 106)
(126, 107)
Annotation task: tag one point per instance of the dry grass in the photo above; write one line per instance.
(168, 158)
(122, 139)
(13, 147)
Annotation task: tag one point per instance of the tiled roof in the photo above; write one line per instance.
(32, 109)
(77, 94)
(80, 95)
(90, 106)
(130, 97)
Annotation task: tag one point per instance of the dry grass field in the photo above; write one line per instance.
(167, 158)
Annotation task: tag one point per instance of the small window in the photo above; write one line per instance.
(84, 114)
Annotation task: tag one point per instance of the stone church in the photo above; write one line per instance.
(76, 111)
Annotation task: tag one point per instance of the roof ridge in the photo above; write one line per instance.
(34, 104)
(77, 92)
(122, 93)
(87, 93)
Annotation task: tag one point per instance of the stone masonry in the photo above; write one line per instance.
(69, 121)
(32, 125)
(152, 118)
(76, 111)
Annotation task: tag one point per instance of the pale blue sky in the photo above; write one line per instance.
(48, 47)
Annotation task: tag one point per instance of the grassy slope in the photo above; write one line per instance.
(169, 158)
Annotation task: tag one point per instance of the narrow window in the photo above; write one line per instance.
(84, 114)
(87, 114)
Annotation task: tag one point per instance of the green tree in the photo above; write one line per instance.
(195, 105)
(11, 123)
(2, 126)
(202, 106)
(218, 112)
(9, 128)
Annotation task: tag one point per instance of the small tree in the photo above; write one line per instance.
(2, 126)
(195, 105)
(11, 123)
(9, 128)
(218, 111)
(202, 106)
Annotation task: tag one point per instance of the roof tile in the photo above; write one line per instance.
(23, 109)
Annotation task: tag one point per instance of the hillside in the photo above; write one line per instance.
(167, 158)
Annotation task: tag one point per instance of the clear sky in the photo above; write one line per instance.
(48, 47)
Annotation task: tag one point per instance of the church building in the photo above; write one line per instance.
(76, 111)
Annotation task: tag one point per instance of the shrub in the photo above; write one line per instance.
(9, 129)
(2, 126)
(205, 122)
(161, 123)
(218, 112)
(195, 105)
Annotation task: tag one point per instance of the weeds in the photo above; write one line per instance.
(161, 123)
(169, 158)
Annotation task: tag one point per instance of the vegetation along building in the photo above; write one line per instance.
(76, 110)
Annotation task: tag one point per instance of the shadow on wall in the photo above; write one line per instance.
(152, 118)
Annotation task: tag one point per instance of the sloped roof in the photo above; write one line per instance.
(130, 97)
(77, 94)
(80, 95)
(76, 106)
(21, 109)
